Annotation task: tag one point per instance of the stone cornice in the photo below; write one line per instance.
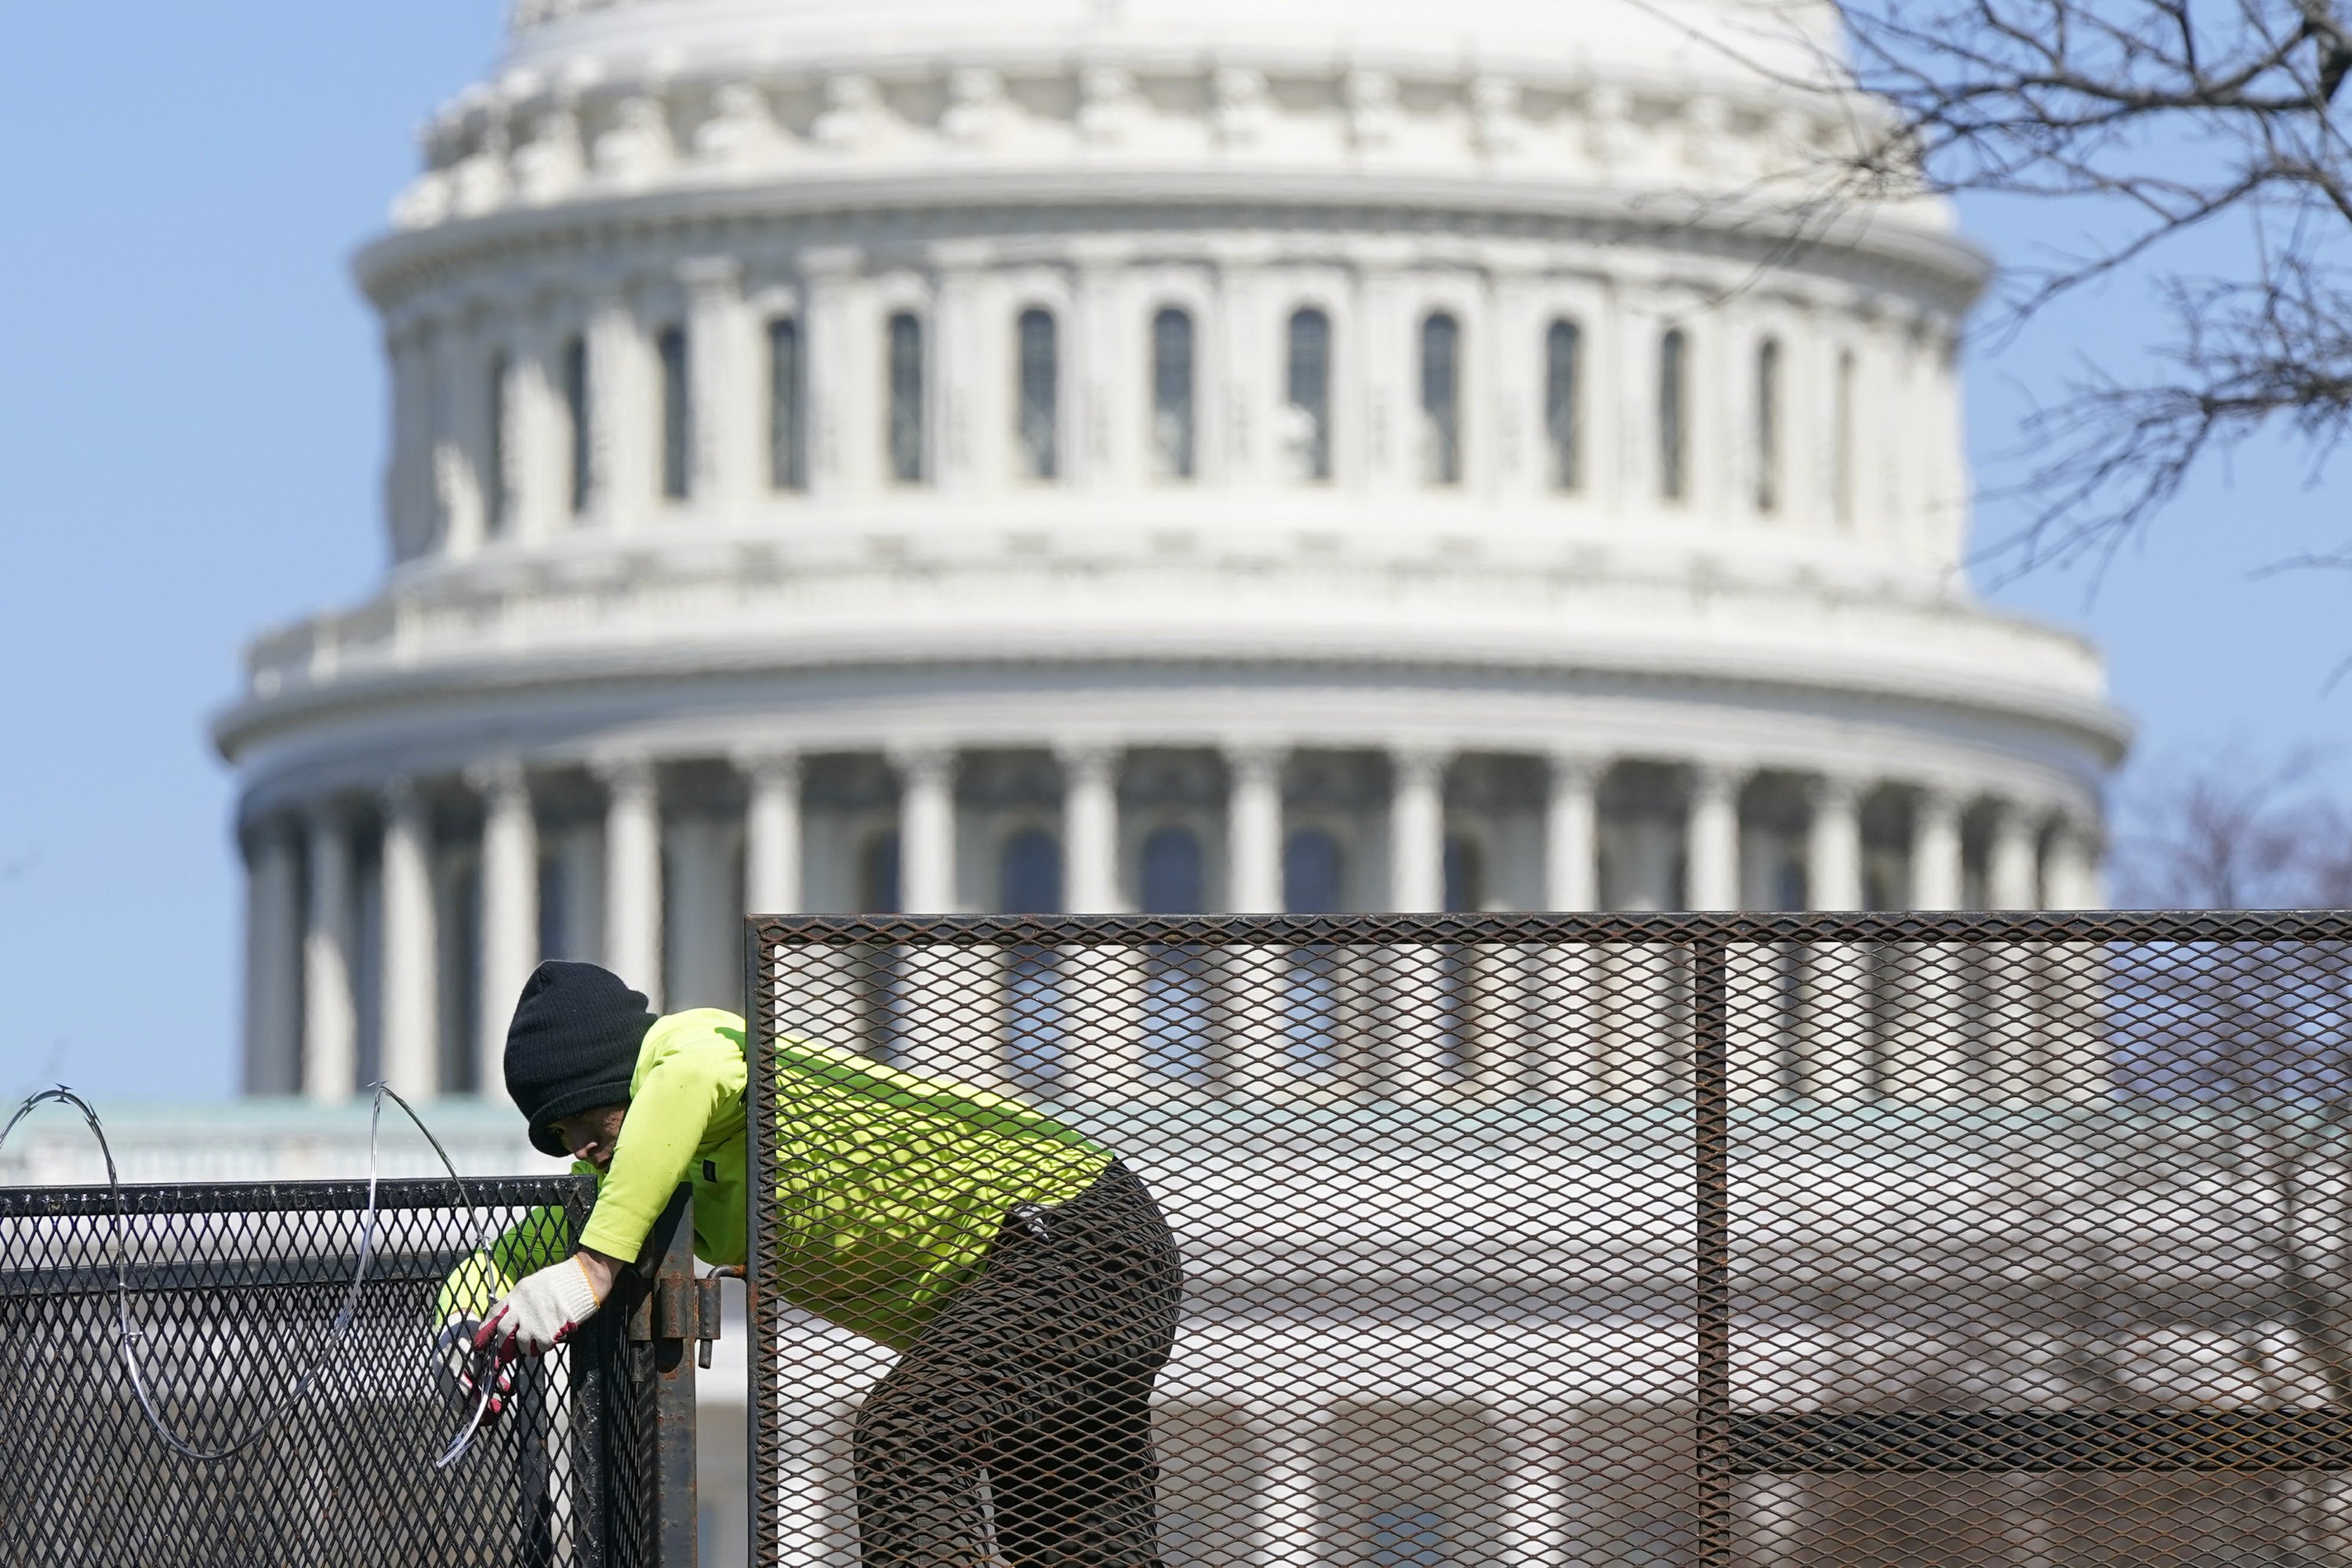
(414, 647)
(926, 133)
(1171, 205)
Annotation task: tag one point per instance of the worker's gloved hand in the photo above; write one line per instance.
(541, 1312)
(464, 1369)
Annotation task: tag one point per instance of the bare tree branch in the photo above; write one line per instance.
(2235, 832)
(2158, 119)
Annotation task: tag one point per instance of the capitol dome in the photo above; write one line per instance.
(1129, 454)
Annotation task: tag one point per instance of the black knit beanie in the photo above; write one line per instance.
(572, 1046)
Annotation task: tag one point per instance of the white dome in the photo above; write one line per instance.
(834, 445)
(1727, 38)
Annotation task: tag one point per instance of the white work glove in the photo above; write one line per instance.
(541, 1312)
(461, 1364)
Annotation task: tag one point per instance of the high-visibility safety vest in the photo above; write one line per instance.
(889, 1184)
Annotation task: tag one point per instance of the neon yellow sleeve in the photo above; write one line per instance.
(688, 1075)
(540, 1237)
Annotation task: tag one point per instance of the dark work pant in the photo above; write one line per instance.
(1035, 1379)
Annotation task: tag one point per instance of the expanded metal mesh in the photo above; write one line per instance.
(1633, 1242)
(233, 1295)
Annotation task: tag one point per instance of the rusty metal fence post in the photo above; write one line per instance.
(661, 1310)
(1711, 1238)
(762, 1317)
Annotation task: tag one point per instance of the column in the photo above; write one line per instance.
(1426, 1046)
(2070, 868)
(1252, 976)
(2013, 1009)
(1572, 836)
(411, 968)
(1922, 986)
(1104, 999)
(1254, 830)
(1715, 837)
(2012, 867)
(1836, 1059)
(1240, 372)
(1417, 831)
(1287, 1513)
(771, 834)
(633, 875)
(459, 370)
(1108, 406)
(623, 430)
(331, 1043)
(1833, 846)
(407, 474)
(1375, 387)
(1561, 1055)
(723, 368)
(926, 831)
(1090, 829)
(273, 961)
(2071, 1064)
(509, 908)
(1936, 873)
(945, 993)
(538, 445)
(843, 356)
(1533, 1512)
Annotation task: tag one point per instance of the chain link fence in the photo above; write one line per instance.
(1633, 1242)
(216, 1301)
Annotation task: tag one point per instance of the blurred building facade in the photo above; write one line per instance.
(1116, 455)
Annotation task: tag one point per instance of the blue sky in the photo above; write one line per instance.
(189, 434)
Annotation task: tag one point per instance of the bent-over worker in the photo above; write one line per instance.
(1025, 1274)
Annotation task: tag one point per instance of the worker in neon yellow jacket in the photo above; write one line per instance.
(1025, 1274)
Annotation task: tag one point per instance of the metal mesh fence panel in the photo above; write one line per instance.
(232, 1294)
(1632, 1242)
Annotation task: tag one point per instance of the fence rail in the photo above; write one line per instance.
(1616, 1241)
(1638, 1242)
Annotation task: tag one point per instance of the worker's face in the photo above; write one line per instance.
(592, 1134)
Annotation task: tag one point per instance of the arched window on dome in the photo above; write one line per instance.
(1305, 439)
(787, 407)
(1176, 1040)
(1768, 426)
(676, 414)
(1841, 447)
(1465, 893)
(906, 436)
(1037, 419)
(1029, 874)
(498, 497)
(877, 873)
(1441, 400)
(1674, 415)
(1034, 1016)
(1465, 874)
(1174, 873)
(578, 444)
(1171, 396)
(1029, 882)
(883, 995)
(1314, 870)
(1564, 404)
